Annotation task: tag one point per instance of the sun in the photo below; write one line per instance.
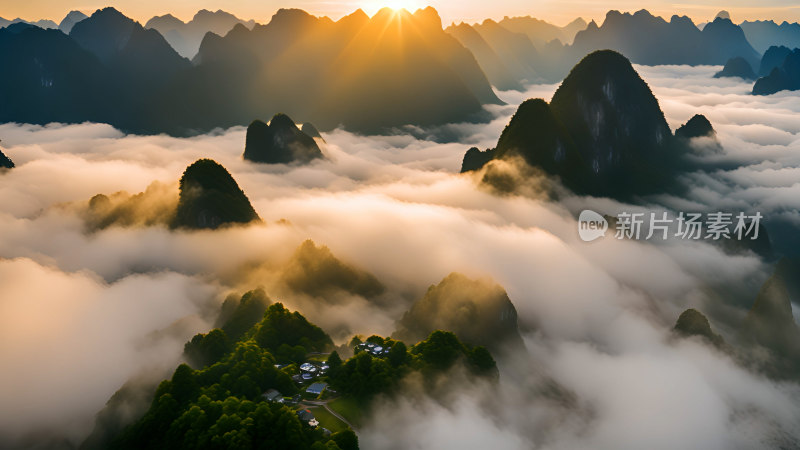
(372, 6)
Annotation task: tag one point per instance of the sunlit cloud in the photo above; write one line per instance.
(395, 206)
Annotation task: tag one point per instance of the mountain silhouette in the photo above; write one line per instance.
(727, 41)
(650, 40)
(518, 49)
(137, 63)
(185, 38)
(697, 126)
(693, 323)
(210, 198)
(737, 68)
(341, 73)
(785, 77)
(46, 24)
(5, 162)
(641, 37)
(479, 312)
(47, 77)
(603, 133)
(309, 129)
(515, 50)
(698, 136)
(541, 32)
(280, 142)
(105, 33)
(476, 158)
(616, 124)
(333, 74)
(70, 20)
(765, 34)
(770, 321)
(537, 135)
(773, 58)
(493, 65)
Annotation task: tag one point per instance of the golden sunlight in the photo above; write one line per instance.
(373, 6)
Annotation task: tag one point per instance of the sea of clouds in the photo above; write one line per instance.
(83, 311)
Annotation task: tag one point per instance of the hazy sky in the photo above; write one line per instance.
(557, 11)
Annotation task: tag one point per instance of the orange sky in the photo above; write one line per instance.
(556, 11)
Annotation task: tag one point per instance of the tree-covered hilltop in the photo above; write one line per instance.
(380, 363)
(210, 197)
(287, 335)
(261, 347)
(220, 405)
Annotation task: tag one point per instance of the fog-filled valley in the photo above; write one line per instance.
(87, 309)
(369, 233)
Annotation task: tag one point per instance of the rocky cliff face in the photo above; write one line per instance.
(783, 78)
(279, 142)
(603, 133)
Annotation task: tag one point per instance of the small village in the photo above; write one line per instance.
(310, 377)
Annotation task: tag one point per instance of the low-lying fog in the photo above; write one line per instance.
(81, 312)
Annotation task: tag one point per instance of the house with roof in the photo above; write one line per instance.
(307, 416)
(308, 368)
(272, 396)
(372, 349)
(316, 388)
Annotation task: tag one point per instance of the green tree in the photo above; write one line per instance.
(184, 385)
(440, 350)
(482, 361)
(280, 326)
(206, 349)
(334, 364)
(398, 354)
(346, 439)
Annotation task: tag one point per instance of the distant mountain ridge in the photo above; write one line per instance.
(112, 69)
(641, 37)
(46, 24)
(509, 50)
(185, 37)
(646, 39)
(70, 20)
(765, 34)
(781, 78)
(331, 73)
(541, 32)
